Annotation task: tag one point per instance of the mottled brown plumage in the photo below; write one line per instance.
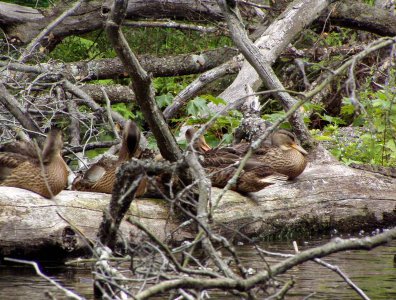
(221, 164)
(285, 155)
(25, 166)
(254, 177)
(101, 176)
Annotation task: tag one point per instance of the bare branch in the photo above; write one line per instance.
(198, 84)
(12, 105)
(67, 292)
(175, 25)
(169, 253)
(245, 284)
(253, 54)
(35, 42)
(141, 83)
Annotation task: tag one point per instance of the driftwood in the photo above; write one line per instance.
(318, 201)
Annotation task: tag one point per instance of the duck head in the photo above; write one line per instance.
(286, 140)
(200, 144)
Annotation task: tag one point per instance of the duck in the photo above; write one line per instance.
(285, 154)
(254, 176)
(100, 177)
(221, 164)
(24, 165)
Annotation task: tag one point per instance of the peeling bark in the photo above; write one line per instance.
(272, 42)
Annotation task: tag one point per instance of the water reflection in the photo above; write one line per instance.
(22, 283)
(373, 271)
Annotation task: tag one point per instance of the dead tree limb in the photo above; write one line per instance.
(12, 105)
(141, 83)
(280, 268)
(264, 52)
(111, 68)
(327, 196)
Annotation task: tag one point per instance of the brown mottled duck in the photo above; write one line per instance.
(222, 163)
(100, 177)
(25, 166)
(284, 155)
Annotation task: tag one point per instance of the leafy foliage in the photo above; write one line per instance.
(74, 48)
(375, 139)
(30, 3)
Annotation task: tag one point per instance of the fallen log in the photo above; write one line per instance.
(327, 196)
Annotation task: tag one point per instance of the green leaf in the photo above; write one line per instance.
(164, 100)
(214, 99)
(335, 120)
(391, 145)
(197, 107)
(122, 109)
(347, 108)
(323, 138)
(227, 138)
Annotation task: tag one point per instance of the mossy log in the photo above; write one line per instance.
(327, 196)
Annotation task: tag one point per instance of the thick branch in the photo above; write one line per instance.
(344, 199)
(111, 68)
(141, 83)
(361, 16)
(117, 93)
(280, 268)
(37, 40)
(261, 63)
(121, 199)
(26, 23)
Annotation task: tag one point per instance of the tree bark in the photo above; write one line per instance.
(361, 16)
(141, 84)
(318, 201)
(13, 106)
(112, 68)
(25, 23)
(272, 42)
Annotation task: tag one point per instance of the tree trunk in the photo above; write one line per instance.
(327, 196)
(271, 43)
(25, 23)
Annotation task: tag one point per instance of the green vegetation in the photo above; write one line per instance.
(373, 139)
(376, 126)
(31, 3)
(155, 41)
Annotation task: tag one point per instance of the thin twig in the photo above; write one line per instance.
(245, 284)
(33, 44)
(36, 267)
(109, 110)
(338, 271)
(169, 252)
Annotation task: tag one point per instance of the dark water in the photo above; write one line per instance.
(373, 271)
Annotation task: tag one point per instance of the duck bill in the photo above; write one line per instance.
(205, 147)
(299, 148)
(202, 145)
